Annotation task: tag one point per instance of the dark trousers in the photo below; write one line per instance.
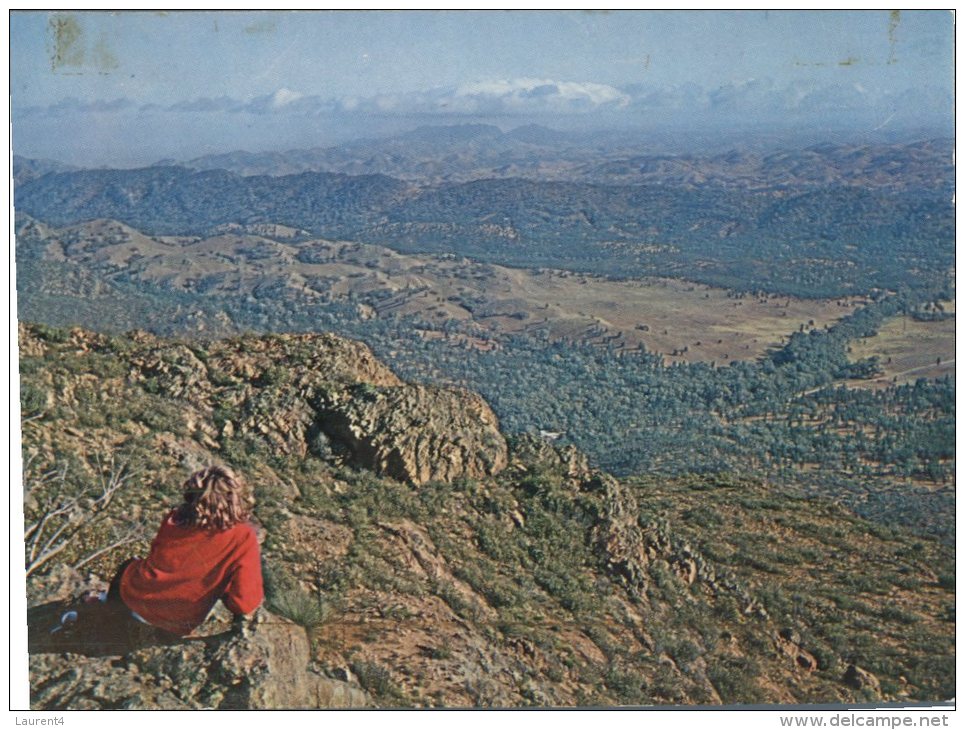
(114, 591)
(137, 632)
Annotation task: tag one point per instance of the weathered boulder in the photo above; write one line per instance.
(415, 433)
(308, 360)
(99, 664)
(265, 666)
(788, 642)
(861, 679)
(528, 450)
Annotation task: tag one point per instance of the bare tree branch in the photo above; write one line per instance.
(50, 512)
(63, 518)
(30, 419)
(43, 558)
(54, 506)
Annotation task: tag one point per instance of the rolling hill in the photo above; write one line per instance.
(824, 222)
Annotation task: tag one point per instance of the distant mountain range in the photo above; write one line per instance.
(461, 153)
(428, 154)
(26, 169)
(829, 220)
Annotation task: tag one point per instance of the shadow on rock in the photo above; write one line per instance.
(99, 630)
(108, 661)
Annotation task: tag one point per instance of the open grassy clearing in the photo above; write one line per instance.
(909, 349)
(684, 321)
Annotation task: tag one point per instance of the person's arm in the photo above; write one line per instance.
(245, 590)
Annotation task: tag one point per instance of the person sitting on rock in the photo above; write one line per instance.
(205, 550)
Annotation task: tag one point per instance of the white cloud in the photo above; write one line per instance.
(495, 97)
(529, 98)
(528, 94)
(284, 97)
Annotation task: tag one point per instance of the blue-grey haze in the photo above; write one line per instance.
(128, 88)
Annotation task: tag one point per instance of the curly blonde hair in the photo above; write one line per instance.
(215, 498)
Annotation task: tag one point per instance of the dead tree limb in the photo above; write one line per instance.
(63, 517)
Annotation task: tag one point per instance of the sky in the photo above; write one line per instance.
(123, 88)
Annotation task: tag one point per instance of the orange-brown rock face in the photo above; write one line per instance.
(416, 433)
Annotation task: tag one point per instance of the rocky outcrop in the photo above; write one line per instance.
(788, 642)
(301, 395)
(861, 679)
(332, 397)
(631, 547)
(528, 451)
(231, 371)
(264, 664)
(308, 360)
(29, 344)
(618, 532)
(415, 433)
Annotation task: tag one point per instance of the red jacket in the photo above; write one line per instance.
(188, 570)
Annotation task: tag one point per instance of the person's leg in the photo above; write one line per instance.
(111, 619)
(140, 635)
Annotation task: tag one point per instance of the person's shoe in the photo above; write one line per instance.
(67, 622)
